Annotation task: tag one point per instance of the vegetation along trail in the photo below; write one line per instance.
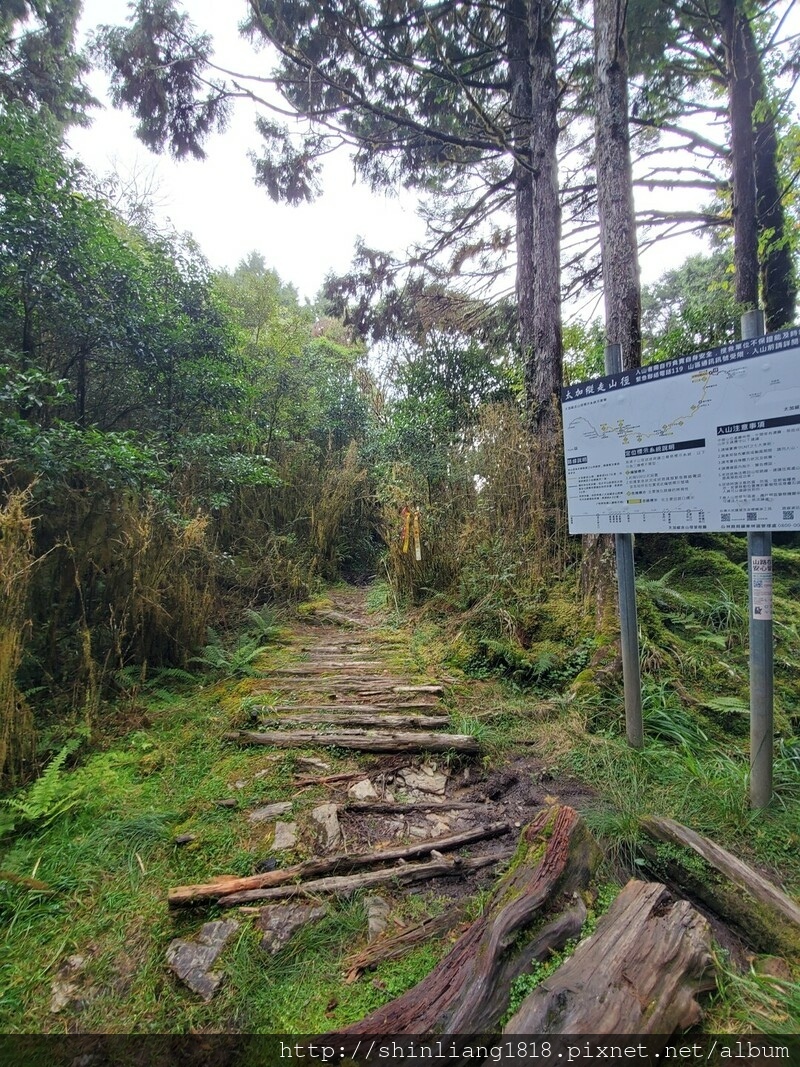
(324, 837)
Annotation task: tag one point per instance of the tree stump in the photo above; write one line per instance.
(536, 900)
(638, 974)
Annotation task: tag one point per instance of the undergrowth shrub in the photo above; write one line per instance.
(51, 796)
(16, 568)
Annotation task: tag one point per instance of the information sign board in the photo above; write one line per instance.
(707, 442)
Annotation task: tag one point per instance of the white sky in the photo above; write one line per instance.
(217, 200)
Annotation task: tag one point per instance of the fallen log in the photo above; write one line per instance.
(392, 946)
(229, 883)
(762, 913)
(325, 779)
(387, 720)
(639, 973)
(467, 992)
(338, 618)
(387, 807)
(347, 884)
(359, 741)
(310, 668)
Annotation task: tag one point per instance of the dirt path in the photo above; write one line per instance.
(387, 798)
(431, 783)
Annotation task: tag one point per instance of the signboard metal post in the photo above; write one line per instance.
(759, 569)
(628, 623)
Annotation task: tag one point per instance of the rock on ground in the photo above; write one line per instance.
(191, 960)
(280, 922)
(270, 811)
(326, 817)
(285, 836)
(377, 916)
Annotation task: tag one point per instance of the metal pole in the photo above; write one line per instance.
(759, 569)
(628, 625)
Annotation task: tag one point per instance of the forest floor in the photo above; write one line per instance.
(191, 792)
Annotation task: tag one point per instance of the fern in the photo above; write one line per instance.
(48, 798)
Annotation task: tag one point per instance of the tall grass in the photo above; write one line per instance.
(17, 737)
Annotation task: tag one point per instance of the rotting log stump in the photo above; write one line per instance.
(537, 899)
(227, 884)
(360, 740)
(766, 918)
(640, 973)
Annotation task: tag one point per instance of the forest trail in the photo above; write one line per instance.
(386, 792)
(388, 801)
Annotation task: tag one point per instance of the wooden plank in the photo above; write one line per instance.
(387, 720)
(345, 885)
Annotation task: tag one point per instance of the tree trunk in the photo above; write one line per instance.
(745, 237)
(776, 268)
(543, 375)
(638, 974)
(618, 247)
(519, 74)
(537, 902)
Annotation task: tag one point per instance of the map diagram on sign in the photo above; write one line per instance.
(704, 442)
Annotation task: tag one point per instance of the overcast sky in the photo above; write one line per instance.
(217, 200)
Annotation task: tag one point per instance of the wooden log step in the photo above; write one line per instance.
(356, 682)
(180, 896)
(387, 720)
(338, 618)
(467, 992)
(363, 709)
(309, 669)
(380, 683)
(359, 740)
(767, 918)
(348, 884)
(640, 973)
(387, 807)
(338, 649)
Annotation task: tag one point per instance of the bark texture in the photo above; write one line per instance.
(745, 236)
(619, 250)
(764, 915)
(639, 974)
(543, 376)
